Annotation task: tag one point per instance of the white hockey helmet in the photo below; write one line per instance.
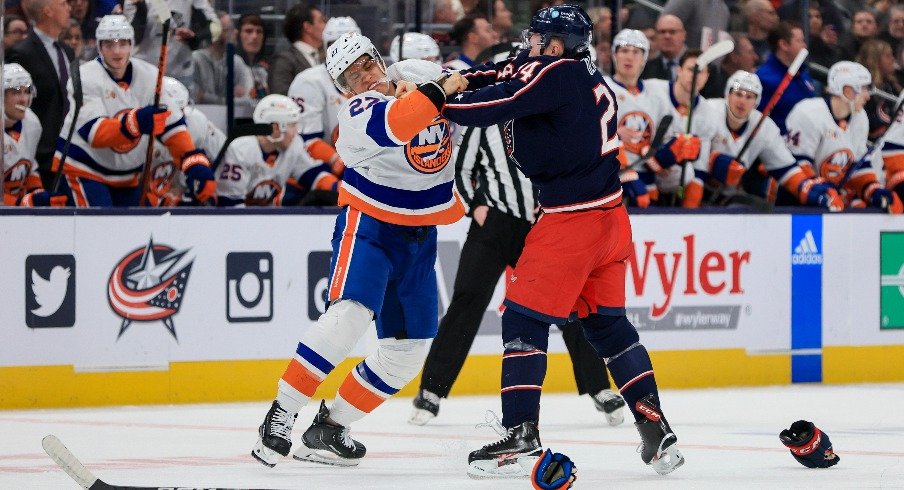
(342, 53)
(415, 46)
(337, 26)
(174, 94)
(746, 81)
(632, 37)
(279, 109)
(114, 27)
(14, 76)
(847, 74)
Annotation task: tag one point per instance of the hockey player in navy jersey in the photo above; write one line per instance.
(561, 131)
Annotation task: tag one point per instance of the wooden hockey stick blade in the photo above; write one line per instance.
(64, 458)
(715, 52)
(161, 10)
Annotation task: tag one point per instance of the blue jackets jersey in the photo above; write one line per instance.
(801, 87)
(559, 125)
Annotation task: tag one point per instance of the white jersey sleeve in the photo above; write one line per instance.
(417, 71)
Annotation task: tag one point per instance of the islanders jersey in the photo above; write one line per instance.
(165, 173)
(889, 154)
(319, 101)
(767, 146)
(90, 155)
(640, 111)
(829, 146)
(20, 171)
(248, 175)
(397, 170)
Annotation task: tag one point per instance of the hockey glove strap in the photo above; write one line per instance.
(199, 178)
(634, 189)
(726, 169)
(553, 471)
(434, 91)
(809, 445)
(150, 120)
(816, 192)
(883, 199)
(40, 197)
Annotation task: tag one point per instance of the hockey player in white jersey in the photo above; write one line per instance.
(736, 116)
(319, 100)
(21, 182)
(639, 113)
(272, 170)
(414, 46)
(398, 185)
(117, 119)
(829, 135)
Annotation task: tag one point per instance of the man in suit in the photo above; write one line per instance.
(670, 38)
(47, 60)
(303, 27)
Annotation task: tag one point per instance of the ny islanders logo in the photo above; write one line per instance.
(15, 176)
(641, 123)
(148, 284)
(431, 149)
(835, 165)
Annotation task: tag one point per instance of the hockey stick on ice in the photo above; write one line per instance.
(67, 461)
(656, 142)
(711, 54)
(165, 17)
(75, 76)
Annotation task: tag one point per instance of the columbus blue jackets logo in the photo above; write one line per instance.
(431, 149)
(148, 284)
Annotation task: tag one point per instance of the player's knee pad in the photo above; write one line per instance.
(523, 333)
(609, 335)
(337, 331)
(397, 362)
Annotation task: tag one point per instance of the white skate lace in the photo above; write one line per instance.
(346, 439)
(281, 424)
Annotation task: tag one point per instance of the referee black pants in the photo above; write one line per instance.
(484, 256)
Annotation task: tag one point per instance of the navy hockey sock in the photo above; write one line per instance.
(523, 367)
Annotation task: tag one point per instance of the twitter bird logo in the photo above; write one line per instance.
(50, 291)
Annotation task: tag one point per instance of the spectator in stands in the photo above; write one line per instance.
(84, 12)
(14, 30)
(303, 27)
(149, 33)
(603, 47)
(447, 11)
(252, 39)
(703, 19)
(72, 36)
(670, 39)
(473, 35)
(502, 21)
(743, 57)
(823, 44)
(894, 31)
(786, 40)
(863, 27)
(602, 22)
(878, 58)
(210, 70)
(761, 18)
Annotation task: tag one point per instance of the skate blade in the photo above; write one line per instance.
(490, 469)
(265, 455)
(617, 417)
(670, 460)
(420, 417)
(323, 457)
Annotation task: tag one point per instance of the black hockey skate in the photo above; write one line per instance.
(657, 447)
(611, 404)
(327, 443)
(426, 407)
(275, 436)
(513, 456)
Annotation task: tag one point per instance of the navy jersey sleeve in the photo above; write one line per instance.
(536, 87)
(480, 76)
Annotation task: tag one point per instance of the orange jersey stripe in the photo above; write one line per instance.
(443, 217)
(179, 144)
(409, 115)
(301, 378)
(78, 192)
(108, 135)
(358, 396)
(320, 150)
(344, 259)
(84, 172)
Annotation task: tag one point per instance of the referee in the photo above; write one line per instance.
(502, 205)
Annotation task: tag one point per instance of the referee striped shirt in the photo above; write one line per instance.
(485, 175)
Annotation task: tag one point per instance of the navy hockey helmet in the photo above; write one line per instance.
(567, 22)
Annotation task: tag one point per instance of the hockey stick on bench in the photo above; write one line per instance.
(75, 76)
(67, 461)
(656, 142)
(161, 8)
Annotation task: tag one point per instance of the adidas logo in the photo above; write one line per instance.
(806, 253)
